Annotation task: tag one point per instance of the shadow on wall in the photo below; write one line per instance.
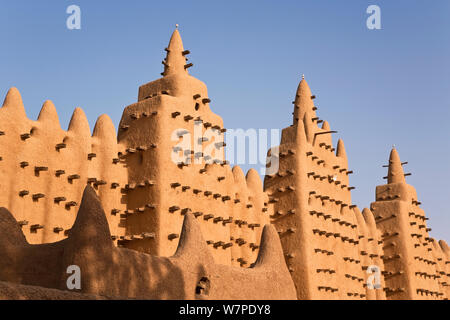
(112, 272)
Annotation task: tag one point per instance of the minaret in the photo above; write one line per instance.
(340, 152)
(176, 80)
(408, 249)
(166, 108)
(312, 207)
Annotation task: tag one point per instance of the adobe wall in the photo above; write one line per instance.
(175, 141)
(43, 168)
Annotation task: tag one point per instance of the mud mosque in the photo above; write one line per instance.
(139, 225)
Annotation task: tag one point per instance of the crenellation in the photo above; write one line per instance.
(40, 156)
(396, 207)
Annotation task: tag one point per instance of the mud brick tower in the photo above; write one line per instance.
(328, 243)
(414, 262)
(175, 159)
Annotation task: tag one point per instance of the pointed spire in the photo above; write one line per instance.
(13, 101)
(240, 182)
(303, 101)
(91, 228)
(253, 180)
(238, 174)
(12, 98)
(270, 254)
(192, 244)
(303, 89)
(395, 171)
(340, 150)
(175, 62)
(89, 244)
(48, 114)
(326, 126)
(104, 128)
(369, 218)
(79, 123)
(327, 138)
(360, 219)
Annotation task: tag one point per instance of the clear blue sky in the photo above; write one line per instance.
(376, 87)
